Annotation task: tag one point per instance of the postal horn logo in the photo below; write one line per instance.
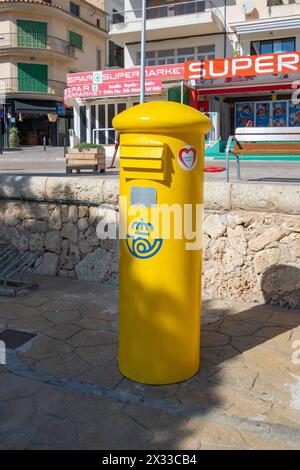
(140, 243)
(187, 158)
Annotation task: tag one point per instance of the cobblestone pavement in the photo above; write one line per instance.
(62, 389)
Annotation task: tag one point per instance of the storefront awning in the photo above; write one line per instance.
(245, 89)
(36, 106)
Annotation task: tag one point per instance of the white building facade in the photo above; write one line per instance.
(179, 31)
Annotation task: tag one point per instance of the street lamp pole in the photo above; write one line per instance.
(143, 47)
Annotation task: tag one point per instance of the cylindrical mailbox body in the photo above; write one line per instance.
(161, 174)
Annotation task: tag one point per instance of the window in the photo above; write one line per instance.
(116, 55)
(176, 56)
(274, 3)
(106, 113)
(160, 9)
(75, 40)
(117, 17)
(99, 23)
(33, 77)
(32, 34)
(83, 130)
(74, 9)
(272, 46)
(99, 59)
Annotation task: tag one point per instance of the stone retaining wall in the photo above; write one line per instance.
(65, 235)
(251, 233)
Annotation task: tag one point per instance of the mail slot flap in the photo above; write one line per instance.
(143, 151)
(145, 175)
(145, 163)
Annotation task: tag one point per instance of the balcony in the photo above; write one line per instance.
(16, 43)
(12, 85)
(168, 20)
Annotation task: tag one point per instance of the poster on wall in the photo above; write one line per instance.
(262, 114)
(294, 114)
(279, 114)
(244, 112)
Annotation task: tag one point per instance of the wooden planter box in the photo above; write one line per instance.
(91, 159)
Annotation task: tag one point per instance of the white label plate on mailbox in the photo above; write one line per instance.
(140, 196)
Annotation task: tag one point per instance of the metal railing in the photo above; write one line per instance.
(36, 41)
(275, 3)
(31, 85)
(164, 10)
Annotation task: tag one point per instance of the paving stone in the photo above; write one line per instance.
(93, 323)
(168, 392)
(15, 414)
(71, 405)
(213, 338)
(92, 338)
(66, 365)
(35, 323)
(217, 435)
(61, 317)
(259, 443)
(14, 387)
(58, 306)
(98, 355)
(14, 441)
(13, 310)
(54, 432)
(61, 331)
(175, 440)
(105, 376)
(44, 347)
(116, 432)
(33, 300)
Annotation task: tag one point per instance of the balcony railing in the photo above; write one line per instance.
(36, 41)
(164, 10)
(31, 85)
(275, 3)
(176, 8)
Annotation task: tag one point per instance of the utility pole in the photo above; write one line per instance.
(143, 47)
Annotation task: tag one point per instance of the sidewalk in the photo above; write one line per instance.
(32, 153)
(62, 389)
(35, 161)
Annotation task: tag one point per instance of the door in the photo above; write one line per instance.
(32, 34)
(33, 77)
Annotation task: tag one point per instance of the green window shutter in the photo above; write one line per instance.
(33, 77)
(32, 33)
(174, 94)
(75, 40)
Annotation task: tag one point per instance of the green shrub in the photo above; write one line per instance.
(13, 130)
(85, 146)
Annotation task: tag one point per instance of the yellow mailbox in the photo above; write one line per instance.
(161, 176)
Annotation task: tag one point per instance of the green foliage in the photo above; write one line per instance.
(85, 146)
(13, 130)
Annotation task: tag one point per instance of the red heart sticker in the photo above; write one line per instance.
(187, 157)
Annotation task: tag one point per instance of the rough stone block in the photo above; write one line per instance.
(86, 188)
(70, 231)
(217, 196)
(49, 264)
(23, 186)
(266, 197)
(53, 241)
(95, 266)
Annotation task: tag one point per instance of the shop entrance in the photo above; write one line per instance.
(34, 127)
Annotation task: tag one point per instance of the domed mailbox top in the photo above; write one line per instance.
(162, 116)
